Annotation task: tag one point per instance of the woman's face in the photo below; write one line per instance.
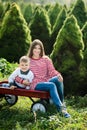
(37, 51)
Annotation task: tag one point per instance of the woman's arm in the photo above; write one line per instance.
(51, 69)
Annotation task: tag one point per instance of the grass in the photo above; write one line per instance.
(19, 116)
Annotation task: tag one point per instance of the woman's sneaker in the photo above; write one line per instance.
(65, 114)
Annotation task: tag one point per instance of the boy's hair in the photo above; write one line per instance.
(24, 59)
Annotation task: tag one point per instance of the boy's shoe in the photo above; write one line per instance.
(5, 85)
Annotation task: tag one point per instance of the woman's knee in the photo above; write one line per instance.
(52, 86)
(55, 80)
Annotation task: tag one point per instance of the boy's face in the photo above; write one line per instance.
(24, 66)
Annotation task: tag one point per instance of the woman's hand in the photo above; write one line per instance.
(60, 78)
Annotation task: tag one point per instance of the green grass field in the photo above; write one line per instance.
(19, 116)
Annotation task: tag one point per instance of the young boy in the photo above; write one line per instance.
(22, 76)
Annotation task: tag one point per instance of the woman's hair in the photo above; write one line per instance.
(32, 46)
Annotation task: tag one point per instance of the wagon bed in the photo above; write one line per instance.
(11, 96)
(24, 92)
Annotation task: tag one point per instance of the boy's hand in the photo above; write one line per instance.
(26, 82)
(13, 87)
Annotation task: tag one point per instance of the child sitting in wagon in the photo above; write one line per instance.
(22, 76)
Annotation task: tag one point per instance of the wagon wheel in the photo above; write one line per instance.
(11, 99)
(38, 106)
(1, 96)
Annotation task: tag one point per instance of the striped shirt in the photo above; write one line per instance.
(43, 70)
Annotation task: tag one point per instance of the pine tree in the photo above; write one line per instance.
(79, 11)
(14, 35)
(53, 13)
(84, 32)
(68, 41)
(40, 28)
(1, 10)
(83, 66)
(28, 13)
(67, 53)
(57, 26)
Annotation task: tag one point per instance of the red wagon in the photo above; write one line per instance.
(11, 96)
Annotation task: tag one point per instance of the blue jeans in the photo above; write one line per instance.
(55, 88)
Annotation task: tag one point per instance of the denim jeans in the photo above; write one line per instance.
(60, 87)
(55, 88)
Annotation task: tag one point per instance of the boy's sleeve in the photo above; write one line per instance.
(12, 77)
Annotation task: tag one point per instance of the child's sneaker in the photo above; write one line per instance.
(5, 85)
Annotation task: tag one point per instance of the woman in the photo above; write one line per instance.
(46, 78)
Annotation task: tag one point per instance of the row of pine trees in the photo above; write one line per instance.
(63, 31)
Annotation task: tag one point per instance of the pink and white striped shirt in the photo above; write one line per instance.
(43, 70)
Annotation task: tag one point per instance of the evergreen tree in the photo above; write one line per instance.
(67, 53)
(70, 38)
(84, 62)
(53, 13)
(83, 66)
(1, 10)
(47, 7)
(14, 35)
(57, 26)
(6, 8)
(40, 28)
(79, 11)
(1, 13)
(84, 31)
(28, 13)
